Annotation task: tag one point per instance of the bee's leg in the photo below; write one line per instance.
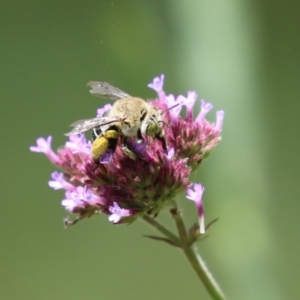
(94, 169)
(139, 136)
(96, 133)
(163, 141)
(129, 153)
(125, 149)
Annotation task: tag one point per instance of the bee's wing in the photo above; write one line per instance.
(105, 90)
(85, 125)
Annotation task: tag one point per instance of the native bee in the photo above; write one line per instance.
(128, 117)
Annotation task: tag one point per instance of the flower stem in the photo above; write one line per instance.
(189, 250)
(194, 258)
(159, 227)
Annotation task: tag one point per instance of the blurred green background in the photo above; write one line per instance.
(243, 56)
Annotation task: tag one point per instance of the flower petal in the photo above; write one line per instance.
(196, 196)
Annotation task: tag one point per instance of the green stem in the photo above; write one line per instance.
(171, 236)
(190, 251)
(194, 258)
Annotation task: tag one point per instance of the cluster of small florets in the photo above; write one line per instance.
(126, 189)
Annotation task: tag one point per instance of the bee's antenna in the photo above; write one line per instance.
(169, 108)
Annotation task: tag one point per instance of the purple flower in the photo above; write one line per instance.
(126, 188)
(189, 103)
(83, 202)
(138, 146)
(205, 108)
(219, 121)
(117, 213)
(157, 85)
(102, 110)
(106, 158)
(170, 153)
(177, 102)
(196, 196)
(59, 182)
(78, 143)
(44, 146)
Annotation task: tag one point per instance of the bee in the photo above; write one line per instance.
(129, 117)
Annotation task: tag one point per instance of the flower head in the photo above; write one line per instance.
(125, 187)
